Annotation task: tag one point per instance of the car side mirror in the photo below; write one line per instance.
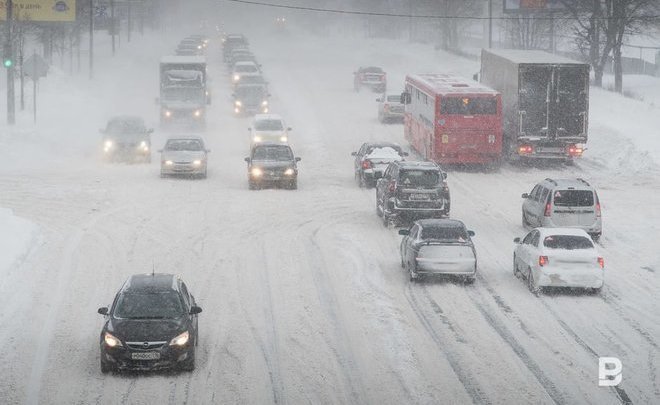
(247, 159)
(475, 77)
(150, 131)
(444, 175)
(516, 240)
(405, 153)
(525, 195)
(208, 150)
(103, 311)
(471, 233)
(250, 129)
(378, 175)
(289, 129)
(298, 159)
(268, 95)
(353, 153)
(194, 310)
(404, 232)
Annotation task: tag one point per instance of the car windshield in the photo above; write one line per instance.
(573, 198)
(184, 145)
(246, 68)
(445, 233)
(272, 152)
(125, 127)
(372, 70)
(419, 178)
(394, 99)
(252, 80)
(567, 242)
(149, 305)
(269, 125)
(250, 92)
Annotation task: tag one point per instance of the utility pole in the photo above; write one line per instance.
(112, 24)
(129, 20)
(9, 56)
(490, 24)
(91, 39)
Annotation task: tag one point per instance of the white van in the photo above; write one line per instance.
(563, 203)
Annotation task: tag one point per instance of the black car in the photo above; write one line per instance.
(126, 138)
(372, 77)
(231, 42)
(411, 190)
(251, 99)
(272, 164)
(372, 159)
(151, 325)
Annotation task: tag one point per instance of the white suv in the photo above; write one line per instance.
(571, 203)
(268, 128)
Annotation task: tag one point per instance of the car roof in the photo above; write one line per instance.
(577, 183)
(126, 118)
(185, 137)
(383, 144)
(270, 143)
(440, 223)
(563, 231)
(150, 282)
(258, 117)
(417, 164)
(245, 63)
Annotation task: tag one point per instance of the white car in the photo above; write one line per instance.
(184, 155)
(268, 128)
(558, 257)
(242, 69)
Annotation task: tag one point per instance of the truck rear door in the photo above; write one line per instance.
(534, 87)
(571, 107)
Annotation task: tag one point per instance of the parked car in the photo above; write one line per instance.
(126, 138)
(372, 158)
(558, 257)
(239, 54)
(152, 324)
(411, 190)
(372, 77)
(438, 247)
(268, 128)
(390, 108)
(272, 164)
(250, 99)
(184, 155)
(242, 69)
(563, 203)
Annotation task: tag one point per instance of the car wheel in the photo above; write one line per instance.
(189, 365)
(252, 185)
(293, 184)
(525, 224)
(469, 280)
(530, 283)
(516, 272)
(403, 265)
(105, 367)
(414, 277)
(386, 220)
(379, 210)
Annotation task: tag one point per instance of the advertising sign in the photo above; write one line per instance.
(41, 10)
(531, 6)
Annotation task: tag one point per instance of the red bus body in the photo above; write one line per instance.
(452, 120)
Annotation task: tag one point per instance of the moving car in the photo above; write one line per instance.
(250, 99)
(152, 324)
(558, 257)
(372, 77)
(272, 164)
(184, 155)
(242, 69)
(563, 203)
(411, 190)
(126, 138)
(390, 107)
(268, 128)
(372, 159)
(438, 247)
(231, 42)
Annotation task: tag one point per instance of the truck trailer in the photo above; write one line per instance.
(545, 102)
(183, 91)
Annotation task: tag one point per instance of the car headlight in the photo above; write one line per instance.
(256, 172)
(111, 341)
(289, 172)
(237, 78)
(199, 47)
(108, 144)
(237, 110)
(197, 113)
(238, 103)
(167, 113)
(169, 163)
(264, 103)
(180, 340)
(257, 139)
(197, 162)
(283, 139)
(264, 110)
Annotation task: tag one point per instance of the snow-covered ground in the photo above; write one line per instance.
(17, 236)
(304, 300)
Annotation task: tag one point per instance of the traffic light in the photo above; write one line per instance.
(7, 60)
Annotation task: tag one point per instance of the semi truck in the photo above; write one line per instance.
(183, 90)
(545, 102)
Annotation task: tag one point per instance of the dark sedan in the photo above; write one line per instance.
(272, 164)
(151, 325)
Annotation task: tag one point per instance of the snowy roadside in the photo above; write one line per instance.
(16, 237)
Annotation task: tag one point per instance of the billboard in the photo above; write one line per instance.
(531, 6)
(41, 10)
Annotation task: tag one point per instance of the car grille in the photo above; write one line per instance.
(145, 345)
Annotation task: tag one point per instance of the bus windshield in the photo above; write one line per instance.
(468, 106)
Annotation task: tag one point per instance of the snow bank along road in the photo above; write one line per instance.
(304, 300)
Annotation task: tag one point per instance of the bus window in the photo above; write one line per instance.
(468, 106)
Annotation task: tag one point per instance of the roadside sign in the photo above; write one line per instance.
(41, 10)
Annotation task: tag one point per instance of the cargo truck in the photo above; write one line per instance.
(183, 91)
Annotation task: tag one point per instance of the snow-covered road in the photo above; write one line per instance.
(303, 296)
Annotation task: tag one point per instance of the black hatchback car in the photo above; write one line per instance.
(272, 164)
(412, 190)
(151, 325)
(126, 138)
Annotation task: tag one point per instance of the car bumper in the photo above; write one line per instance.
(595, 228)
(275, 178)
(169, 357)
(449, 267)
(588, 278)
(188, 169)
(396, 209)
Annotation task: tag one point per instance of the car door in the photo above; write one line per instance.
(407, 243)
(380, 184)
(189, 302)
(523, 251)
(358, 158)
(532, 205)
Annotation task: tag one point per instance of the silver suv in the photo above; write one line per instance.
(565, 203)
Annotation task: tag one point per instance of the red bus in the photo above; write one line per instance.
(452, 120)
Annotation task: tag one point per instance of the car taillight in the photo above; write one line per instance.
(548, 210)
(386, 107)
(597, 207)
(382, 78)
(525, 149)
(543, 260)
(392, 186)
(601, 262)
(366, 164)
(574, 151)
(362, 76)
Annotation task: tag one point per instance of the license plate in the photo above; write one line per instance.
(419, 196)
(549, 150)
(145, 356)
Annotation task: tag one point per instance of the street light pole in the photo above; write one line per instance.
(112, 24)
(490, 24)
(11, 107)
(91, 39)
